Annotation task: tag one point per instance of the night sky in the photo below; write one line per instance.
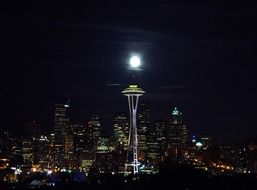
(198, 57)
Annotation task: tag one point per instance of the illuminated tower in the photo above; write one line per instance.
(143, 129)
(33, 134)
(62, 140)
(177, 137)
(132, 92)
(121, 126)
(95, 126)
(161, 137)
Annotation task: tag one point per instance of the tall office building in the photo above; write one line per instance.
(120, 139)
(83, 144)
(89, 138)
(43, 158)
(121, 126)
(79, 139)
(95, 130)
(143, 128)
(69, 148)
(161, 137)
(63, 136)
(33, 130)
(104, 158)
(177, 137)
(51, 150)
(27, 153)
(153, 153)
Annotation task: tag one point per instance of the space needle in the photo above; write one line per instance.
(133, 92)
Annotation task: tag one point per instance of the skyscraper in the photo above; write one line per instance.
(89, 138)
(143, 128)
(95, 128)
(161, 136)
(83, 145)
(43, 152)
(79, 141)
(27, 151)
(104, 162)
(63, 139)
(51, 150)
(177, 136)
(152, 154)
(33, 130)
(69, 148)
(121, 127)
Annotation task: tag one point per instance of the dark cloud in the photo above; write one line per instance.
(113, 84)
(173, 87)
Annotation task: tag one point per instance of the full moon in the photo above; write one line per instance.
(135, 61)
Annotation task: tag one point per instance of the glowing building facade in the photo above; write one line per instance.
(27, 152)
(161, 137)
(143, 129)
(43, 159)
(121, 129)
(177, 137)
(63, 144)
(94, 128)
(153, 150)
(33, 130)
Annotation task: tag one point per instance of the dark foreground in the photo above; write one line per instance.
(152, 182)
(175, 179)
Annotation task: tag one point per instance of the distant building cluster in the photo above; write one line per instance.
(84, 147)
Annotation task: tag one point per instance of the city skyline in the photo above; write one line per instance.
(200, 59)
(107, 121)
(109, 130)
(85, 150)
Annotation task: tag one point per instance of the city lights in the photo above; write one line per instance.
(133, 149)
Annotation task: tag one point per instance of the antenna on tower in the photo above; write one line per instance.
(67, 105)
(133, 78)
